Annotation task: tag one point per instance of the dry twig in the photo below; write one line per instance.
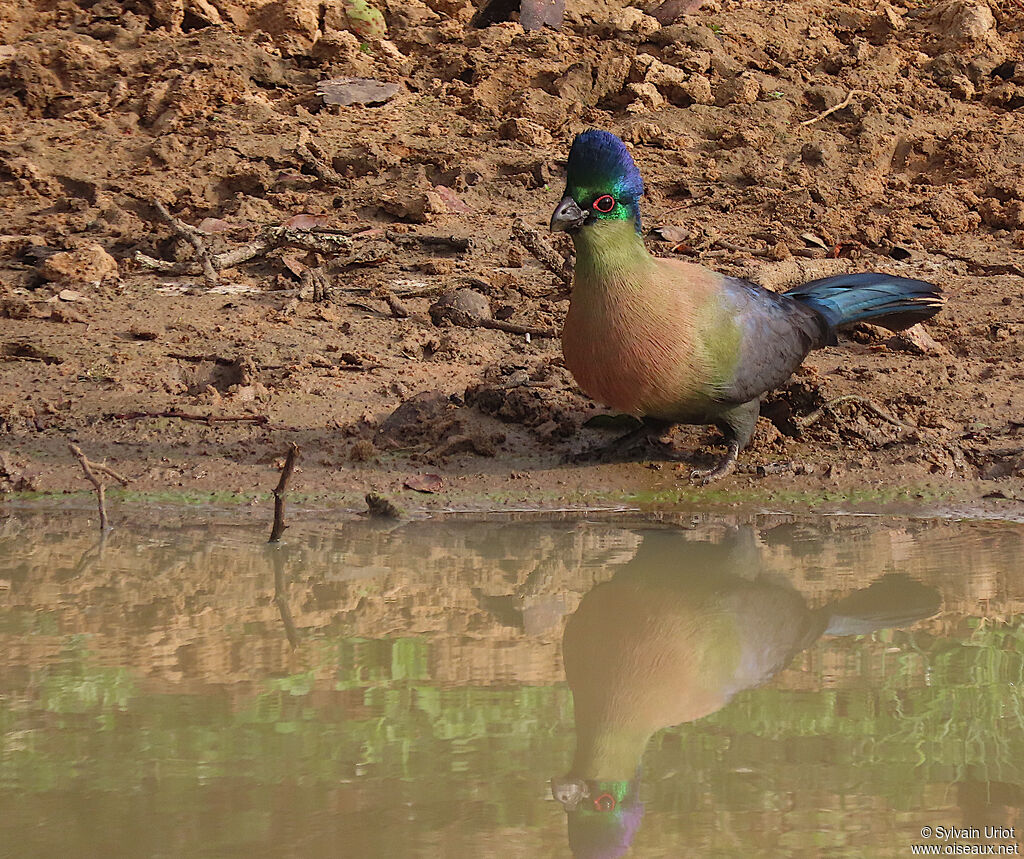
(515, 328)
(269, 239)
(315, 159)
(90, 468)
(397, 308)
(195, 237)
(184, 416)
(455, 243)
(530, 239)
(846, 102)
(870, 405)
(281, 493)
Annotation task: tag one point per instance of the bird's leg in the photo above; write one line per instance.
(726, 466)
(737, 423)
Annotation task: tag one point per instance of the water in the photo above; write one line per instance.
(151, 704)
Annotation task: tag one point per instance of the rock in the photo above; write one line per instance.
(885, 24)
(575, 84)
(465, 307)
(169, 13)
(652, 133)
(917, 341)
(632, 20)
(698, 37)
(698, 89)
(416, 208)
(414, 414)
(609, 76)
(524, 131)
(1008, 96)
(961, 87)
(670, 81)
(965, 24)
(852, 20)
(89, 264)
(293, 24)
(820, 153)
(342, 47)
(645, 98)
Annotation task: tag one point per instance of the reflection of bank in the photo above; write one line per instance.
(670, 639)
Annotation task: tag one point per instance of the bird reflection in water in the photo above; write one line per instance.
(671, 638)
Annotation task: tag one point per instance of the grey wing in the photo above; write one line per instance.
(776, 333)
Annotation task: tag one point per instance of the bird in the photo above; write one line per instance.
(673, 342)
(672, 637)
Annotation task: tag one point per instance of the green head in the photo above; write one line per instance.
(602, 184)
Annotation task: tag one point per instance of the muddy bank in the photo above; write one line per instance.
(196, 384)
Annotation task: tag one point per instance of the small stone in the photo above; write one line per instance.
(813, 154)
(88, 264)
(293, 24)
(670, 81)
(416, 208)
(653, 134)
(465, 307)
(917, 341)
(961, 87)
(546, 110)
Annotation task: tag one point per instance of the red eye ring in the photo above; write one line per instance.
(604, 204)
(605, 802)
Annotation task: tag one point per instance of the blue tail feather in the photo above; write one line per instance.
(884, 299)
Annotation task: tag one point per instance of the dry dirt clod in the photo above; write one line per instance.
(87, 265)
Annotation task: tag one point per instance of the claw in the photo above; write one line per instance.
(725, 467)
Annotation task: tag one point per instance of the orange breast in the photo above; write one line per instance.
(632, 350)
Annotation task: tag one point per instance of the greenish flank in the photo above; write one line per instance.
(722, 351)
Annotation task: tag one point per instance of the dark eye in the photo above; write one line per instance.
(604, 203)
(605, 802)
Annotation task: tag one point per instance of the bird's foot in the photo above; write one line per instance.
(725, 467)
